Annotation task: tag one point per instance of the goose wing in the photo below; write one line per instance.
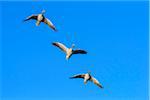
(61, 46)
(95, 81)
(79, 51)
(31, 17)
(49, 23)
(78, 76)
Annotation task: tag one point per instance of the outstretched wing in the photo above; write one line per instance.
(79, 52)
(61, 46)
(31, 17)
(95, 81)
(49, 23)
(78, 76)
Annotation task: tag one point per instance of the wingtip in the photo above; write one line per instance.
(55, 30)
(24, 20)
(85, 52)
(102, 87)
(70, 77)
(53, 43)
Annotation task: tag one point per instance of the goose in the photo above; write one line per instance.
(40, 18)
(69, 51)
(87, 77)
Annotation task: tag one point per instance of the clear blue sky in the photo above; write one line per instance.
(115, 34)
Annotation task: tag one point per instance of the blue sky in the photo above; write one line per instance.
(115, 34)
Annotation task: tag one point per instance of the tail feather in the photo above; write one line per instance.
(38, 23)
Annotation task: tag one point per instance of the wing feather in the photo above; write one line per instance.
(49, 23)
(95, 81)
(31, 17)
(61, 46)
(78, 76)
(79, 52)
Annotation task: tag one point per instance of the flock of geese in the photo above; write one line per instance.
(68, 51)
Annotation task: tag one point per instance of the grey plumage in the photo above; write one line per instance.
(87, 77)
(41, 18)
(69, 51)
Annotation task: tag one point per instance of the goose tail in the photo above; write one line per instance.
(37, 23)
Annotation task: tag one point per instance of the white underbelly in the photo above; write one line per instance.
(40, 17)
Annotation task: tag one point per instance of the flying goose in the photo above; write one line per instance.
(69, 51)
(40, 18)
(87, 77)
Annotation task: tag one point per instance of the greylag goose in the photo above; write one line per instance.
(41, 18)
(87, 77)
(69, 51)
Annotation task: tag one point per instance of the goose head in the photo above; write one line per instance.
(43, 11)
(73, 45)
(89, 72)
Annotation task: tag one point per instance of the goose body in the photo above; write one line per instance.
(40, 18)
(87, 77)
(68, 51)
